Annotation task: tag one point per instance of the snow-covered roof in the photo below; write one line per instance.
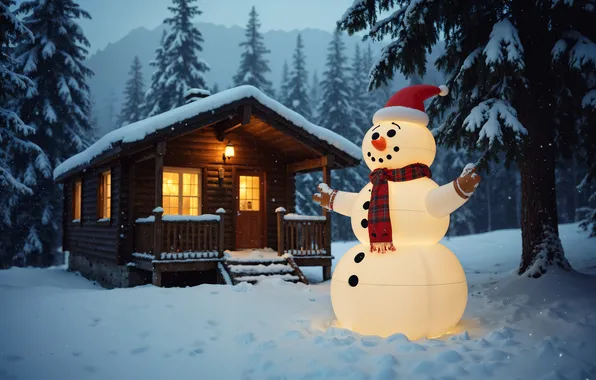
(140, 130)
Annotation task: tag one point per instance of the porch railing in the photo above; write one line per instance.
(180, 236)
(302, 235)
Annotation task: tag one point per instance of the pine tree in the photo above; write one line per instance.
(519, 73)
(284, 89)
(297, 98)
(58, 109)
(155, 103)
(15, 135)
(178, 67)
(111, 112)
(359, 97)
(133, 95)
(315, 95)
(253, 65)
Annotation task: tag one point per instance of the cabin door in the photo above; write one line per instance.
(249, 210)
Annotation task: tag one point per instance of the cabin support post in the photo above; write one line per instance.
(160, 151)
(327, 229)
(280, 230)
(220, 235)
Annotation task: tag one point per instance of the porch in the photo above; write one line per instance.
(196, 244)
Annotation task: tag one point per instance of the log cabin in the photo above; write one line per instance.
(204, 193)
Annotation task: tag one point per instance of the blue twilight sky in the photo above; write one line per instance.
(113, 19)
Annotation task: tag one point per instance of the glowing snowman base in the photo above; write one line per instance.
(419, 291)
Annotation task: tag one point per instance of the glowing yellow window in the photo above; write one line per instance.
(76, 200)
(181, 191)
(105, 195)
(249, 194)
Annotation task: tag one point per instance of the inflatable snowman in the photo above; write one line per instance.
(400, 279)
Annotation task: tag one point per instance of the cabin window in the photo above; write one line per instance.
(181, 191)
(105, 196)
(249, 194)
(77, 196)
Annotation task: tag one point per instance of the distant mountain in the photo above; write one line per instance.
(221, 50)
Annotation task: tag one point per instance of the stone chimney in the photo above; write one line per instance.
(195, 94)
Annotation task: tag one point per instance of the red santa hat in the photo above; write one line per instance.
(408, 104)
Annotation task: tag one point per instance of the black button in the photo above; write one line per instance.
(366, 205)
(376, 135)
(359, 257)
(396, 149)
(391, 133)
(389, 157)
(353, 280)
(364, 223)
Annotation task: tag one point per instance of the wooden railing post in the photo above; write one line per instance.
(158, 233)
(220, 236)
(280, 230)
(327, 214)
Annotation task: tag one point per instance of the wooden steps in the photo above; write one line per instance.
(253, 271)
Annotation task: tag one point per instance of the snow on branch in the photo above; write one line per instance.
(583, 53)
(489, 117)
(504, 36)
(589, 100)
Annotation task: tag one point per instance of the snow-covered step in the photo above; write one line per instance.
(261, 269)
(254, 279)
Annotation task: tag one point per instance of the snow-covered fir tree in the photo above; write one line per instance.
(133, 94)
(336, 112)
(297, 98)
(253, 64)
(178, 67)
(214, 89)
(15, 136)
(111, 112)
(518, 71)
(359, 97)
(155, 103)
(284, 88)
(58, 109)
(315, 95)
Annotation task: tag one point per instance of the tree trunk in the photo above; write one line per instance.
(489, 209)
(541, 246)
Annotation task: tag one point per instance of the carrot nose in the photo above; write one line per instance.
(380, 143)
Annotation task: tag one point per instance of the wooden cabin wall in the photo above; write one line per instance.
(144, 188)
(90, 237)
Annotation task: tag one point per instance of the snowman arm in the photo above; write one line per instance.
(343, 203)
(443, 200)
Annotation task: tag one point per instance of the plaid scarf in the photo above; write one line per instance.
(379, 221)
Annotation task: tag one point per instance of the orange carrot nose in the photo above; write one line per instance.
(380, 143)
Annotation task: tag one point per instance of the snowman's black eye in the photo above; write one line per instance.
(376, 135)
(391, 133)
(368, 154)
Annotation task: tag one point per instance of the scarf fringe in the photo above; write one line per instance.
(382, 247)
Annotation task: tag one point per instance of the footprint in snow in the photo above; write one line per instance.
(77, 353)
(245, 338)
(12, 358)
(212, 323)
(95, 322)
(195, 352)
(139, 350)
(90, 369)
(370, 341)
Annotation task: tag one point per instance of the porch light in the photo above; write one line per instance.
(228, 151)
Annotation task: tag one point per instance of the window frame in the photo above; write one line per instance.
(77, 184)
(104, 200)
(180, 171)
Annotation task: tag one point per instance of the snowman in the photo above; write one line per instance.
(400, 279)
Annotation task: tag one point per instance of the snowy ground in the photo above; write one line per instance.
(57, 325)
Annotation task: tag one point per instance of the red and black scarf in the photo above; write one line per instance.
(379, 220)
